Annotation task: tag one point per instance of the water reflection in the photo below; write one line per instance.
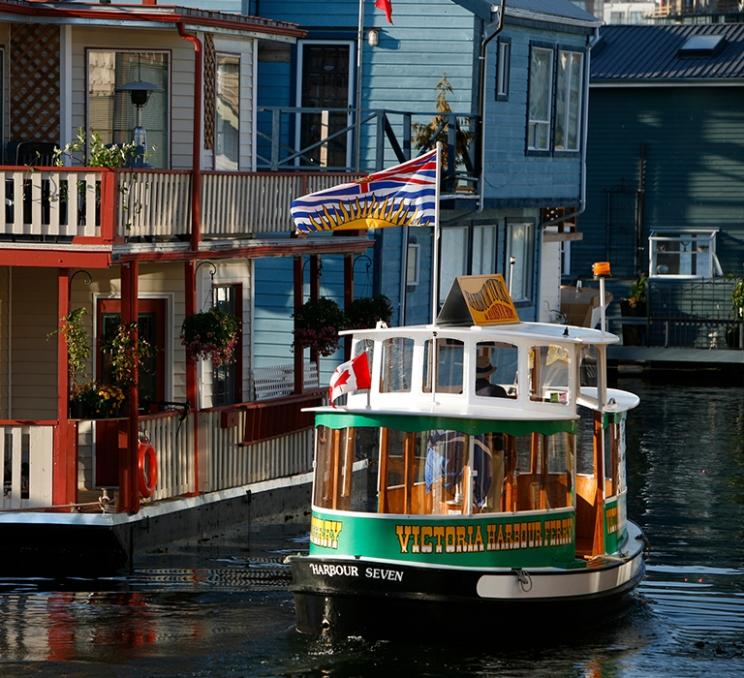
(224, 609)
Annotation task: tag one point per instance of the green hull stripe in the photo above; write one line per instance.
(418, 423)
(491, 541)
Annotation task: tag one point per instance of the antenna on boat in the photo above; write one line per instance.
(601, 270)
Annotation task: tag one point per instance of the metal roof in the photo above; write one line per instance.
(635, 54)
(564, 9)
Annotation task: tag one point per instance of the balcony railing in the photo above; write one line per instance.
(94, 205)
(26, 464)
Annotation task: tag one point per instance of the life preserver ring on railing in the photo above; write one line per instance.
(147, 469)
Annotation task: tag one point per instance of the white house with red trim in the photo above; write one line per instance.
(141, 248)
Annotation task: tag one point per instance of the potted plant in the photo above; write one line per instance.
(427, 135)
(317, 324)
(635, 306)
(126, 352)
(76, 338)
(211, 334)
(733, 333)
(91, 401)
(365, 312)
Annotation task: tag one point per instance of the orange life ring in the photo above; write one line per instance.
(147, 469)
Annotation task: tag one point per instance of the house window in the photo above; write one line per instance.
(540, 98)
(483, 258)
(111, 113)
(226, 379)
(683, 254)
(151, 327)
(520, 248)
(227, 109)
(568, 92)
(453, 259)
(413, 264)
(503, 62)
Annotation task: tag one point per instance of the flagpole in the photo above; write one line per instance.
(435, 255)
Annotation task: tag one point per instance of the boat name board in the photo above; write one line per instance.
(537, 540)
(334, 570)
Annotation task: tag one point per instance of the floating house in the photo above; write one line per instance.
(115, 433)
(665, 186)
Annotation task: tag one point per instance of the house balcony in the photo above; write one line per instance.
(98, 206)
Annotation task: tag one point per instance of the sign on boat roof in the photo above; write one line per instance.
(478, 300)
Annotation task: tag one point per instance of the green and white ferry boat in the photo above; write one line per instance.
(480, 480)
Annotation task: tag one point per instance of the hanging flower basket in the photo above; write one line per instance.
(364, 313)
(316, 326)
(211, 334)
(127, 351)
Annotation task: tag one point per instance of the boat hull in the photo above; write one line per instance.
(383, 599)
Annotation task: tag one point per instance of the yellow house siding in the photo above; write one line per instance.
(33, 364)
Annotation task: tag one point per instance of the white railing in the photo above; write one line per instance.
(26, 466)
(52, 203)
(154, 203)
(172, 438)
(278, 381)
(227, 462)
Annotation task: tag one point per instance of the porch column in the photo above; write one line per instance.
(64, 473)
(314, 296)
(192, 393)
(129, 499)
(348, 296)
(299, 377)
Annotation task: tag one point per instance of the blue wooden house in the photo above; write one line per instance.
(359, 94)
(665, 193)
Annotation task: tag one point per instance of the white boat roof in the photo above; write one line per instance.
(558, 334)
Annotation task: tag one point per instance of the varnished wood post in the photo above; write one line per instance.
(598, 546)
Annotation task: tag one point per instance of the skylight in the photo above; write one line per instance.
(702, 45)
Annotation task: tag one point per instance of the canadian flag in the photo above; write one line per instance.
(387, 7)
(352, 375)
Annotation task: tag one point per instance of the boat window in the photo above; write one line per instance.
(449, 365)
(397, 359)
(336, 451)
(610, 459)
(365, 346)
(549, 374)
(496, 370)
(589, 362)
(538, 471)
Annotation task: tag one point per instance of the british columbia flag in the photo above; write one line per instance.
(404, 195)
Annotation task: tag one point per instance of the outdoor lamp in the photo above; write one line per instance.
(373, 37)
(139, 92)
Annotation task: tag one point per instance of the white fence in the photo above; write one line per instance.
(172, 438)
(227, 462)
(154, 204)
(278, 381)
(26, 466)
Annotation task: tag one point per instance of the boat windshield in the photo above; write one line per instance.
(442, 471)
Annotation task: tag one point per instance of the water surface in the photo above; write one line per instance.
(224, 609)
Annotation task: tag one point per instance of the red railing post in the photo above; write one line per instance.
(109, 205)
(299, 358)
(64, 465)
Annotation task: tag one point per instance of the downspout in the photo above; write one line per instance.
(482, 101)
(192, 390)
(196, 150)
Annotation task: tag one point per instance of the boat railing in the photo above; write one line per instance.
(26, 464)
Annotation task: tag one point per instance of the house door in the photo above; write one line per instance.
(325, 83)
(151, 324)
